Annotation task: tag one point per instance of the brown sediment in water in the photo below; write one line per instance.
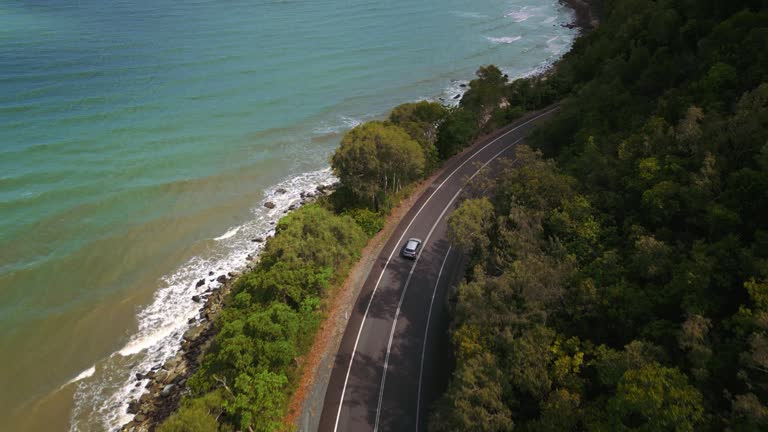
(166, 383)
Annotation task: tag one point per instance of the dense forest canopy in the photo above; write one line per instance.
(619, 269)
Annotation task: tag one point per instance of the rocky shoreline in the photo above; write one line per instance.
(587, 13)
(165, 384)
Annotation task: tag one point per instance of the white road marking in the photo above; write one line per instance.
(410, 274)
(397, 245)
(426, 334)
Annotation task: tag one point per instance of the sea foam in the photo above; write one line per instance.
(81, 376)
(504, 39)
(162, 323)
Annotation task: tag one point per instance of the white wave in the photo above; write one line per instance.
(557, 45)
(470, 15)
(549, 20)
(343, 124)
(139, 344)
(162, 323)
(504, 40)
(519, 16)
(228, 234)
(453, 93)
(81, 376)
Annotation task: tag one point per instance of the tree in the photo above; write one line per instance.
(693, 339)
(654, 398)
(421, 121)
(456, 132)
(474, 401)
(485, 92)
(258, 401)
(197, 415)
(469, 226)
(376, 158)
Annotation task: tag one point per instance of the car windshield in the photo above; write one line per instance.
(411, 246)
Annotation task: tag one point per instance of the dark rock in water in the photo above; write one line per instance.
(193, 333)
(191, 321)
(458, 96)
(258, 240)
(249, 257)
(133, 407)
(200, 283)
(156, 367)
(302, 194)
(221, 279)
(210, 273)
(463, 85)
(139, 376)
(292, 207)
(270, 205)
(281, 191)
(167, 390)
(196, 298)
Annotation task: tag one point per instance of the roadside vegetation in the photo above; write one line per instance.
(271, 317)
(618, 276)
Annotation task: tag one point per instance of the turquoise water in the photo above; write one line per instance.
(138, 139)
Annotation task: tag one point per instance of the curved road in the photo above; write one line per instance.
(394, 357)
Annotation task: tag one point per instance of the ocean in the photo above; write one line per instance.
(139, 140)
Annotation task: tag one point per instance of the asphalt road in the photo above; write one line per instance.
(394, 358)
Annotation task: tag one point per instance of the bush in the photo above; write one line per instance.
(371, 222)
(269, 321)
(196, 415)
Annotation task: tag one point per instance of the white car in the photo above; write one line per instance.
(411, 248)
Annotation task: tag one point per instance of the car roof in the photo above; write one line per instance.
(412, 243)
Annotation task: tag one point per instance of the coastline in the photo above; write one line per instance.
(306, 403)
(165, 383)
(587, 13)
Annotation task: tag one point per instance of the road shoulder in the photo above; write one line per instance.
(306, 405)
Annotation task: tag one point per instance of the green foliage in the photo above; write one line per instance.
(421, 120)
(269, 322)
(195, 415)
(377, 158)
(456, 132)
(370, 221)
(655, 398)
(469, 226)
(485, 92)
(621, 284)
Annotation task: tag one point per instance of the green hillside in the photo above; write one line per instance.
(619, 268)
